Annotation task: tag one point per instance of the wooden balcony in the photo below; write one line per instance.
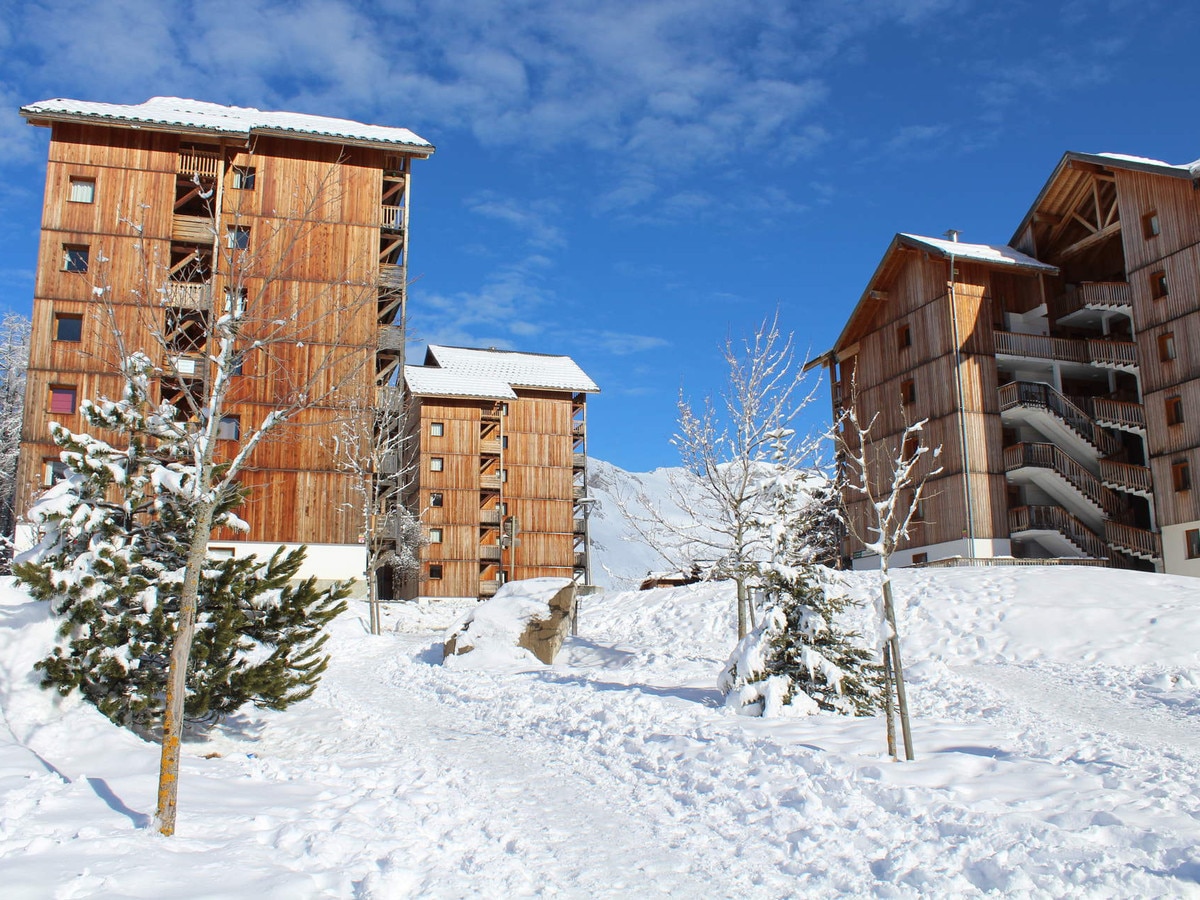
(1134, 541)
(490, 447)
(580, 560)
(578, 460)
(186, 294)
(488, 587)
(489, 517)
(391, 338)
(391, 218)
(391, 277)
(199, 162)
(1125, 477)
(490, 552)
(489, 482)
(193, 229)
(389, 397)
(1105, 295)
(580, 526)
(1118, 414)
(1093, 351)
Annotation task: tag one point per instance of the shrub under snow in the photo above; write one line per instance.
(798, 661)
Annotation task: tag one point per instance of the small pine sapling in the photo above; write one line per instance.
(800, 660)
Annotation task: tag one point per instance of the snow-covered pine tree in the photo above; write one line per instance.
(800, 659)
(115, 536)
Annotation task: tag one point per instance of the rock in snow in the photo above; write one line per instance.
(525, 617)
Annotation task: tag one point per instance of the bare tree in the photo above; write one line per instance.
(206, 338)
(373, 446)
(733, 449)
(890, 475)
(14, 358)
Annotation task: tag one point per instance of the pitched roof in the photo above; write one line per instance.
(996, 254)
(471, 372)
(175, 113)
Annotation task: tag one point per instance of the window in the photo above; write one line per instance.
(1192, 537)
(504, 409)
(435, 499)
(435, 571)
(435, 535)
(1150, 226)
(504, 442)
(436, 464)
(83, 190)
(243, 178)
(237, 237)
(919, 558)
(1166, 346)
(62, 399)
(54, 471)
(910, 447)
(919, 511)
(230, 428)
(908, 392)
(437, 429)
(1158, 285)
(235, 298)
(68, 327)
(503, 507)
(903, 337)
(1174, 410)
(503, 475)
(75, 258)
(1181, 476)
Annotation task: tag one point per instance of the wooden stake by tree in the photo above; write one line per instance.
(891, 477)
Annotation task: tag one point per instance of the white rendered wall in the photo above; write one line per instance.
(1174, 544)
(327, 562)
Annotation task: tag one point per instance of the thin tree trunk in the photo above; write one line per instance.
(742, 618)
(889, 699)
(901, 696)
(181, 651)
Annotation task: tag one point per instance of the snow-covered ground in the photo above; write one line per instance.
(1057, 731)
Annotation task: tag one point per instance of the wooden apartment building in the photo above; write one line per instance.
(500, 454)
(1060, 374)
(159, 215)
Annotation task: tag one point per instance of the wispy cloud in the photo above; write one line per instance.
(622, 344)
(530, 217)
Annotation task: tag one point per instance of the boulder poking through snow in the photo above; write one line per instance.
(525, 617)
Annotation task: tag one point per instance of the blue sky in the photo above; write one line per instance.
(630, 183)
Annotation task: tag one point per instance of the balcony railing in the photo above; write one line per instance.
(489, 447)
(1093, 350)
(1136, 541)
(489, 517)
(1093, 295)
(391, 276)
(391, 218)
(578, 460)
(186, 294)
(489, 552)
(199, 162)
(1042, 396)
(1055, 518)
(488, 588)
(391, 338)
(193, 229)
(580, 560)
(1124, 476)
(1117, 413)
(1048, 456)
(489, 482)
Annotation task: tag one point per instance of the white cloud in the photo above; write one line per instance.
(529, 217)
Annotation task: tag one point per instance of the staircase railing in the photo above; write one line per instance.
(1042, 396)
(1055, 518)
(1048, 456)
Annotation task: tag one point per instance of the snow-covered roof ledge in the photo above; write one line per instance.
(994, 254)
(201, 117)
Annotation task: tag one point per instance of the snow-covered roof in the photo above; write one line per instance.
(1000, 254)
(492, 374)
(527, 370)
(430, 381)
(201, 116)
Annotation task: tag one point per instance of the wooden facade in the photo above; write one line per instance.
(500, 469)
(1060, 375)
(150, 228)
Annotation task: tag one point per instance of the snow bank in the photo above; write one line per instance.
(487, 636)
